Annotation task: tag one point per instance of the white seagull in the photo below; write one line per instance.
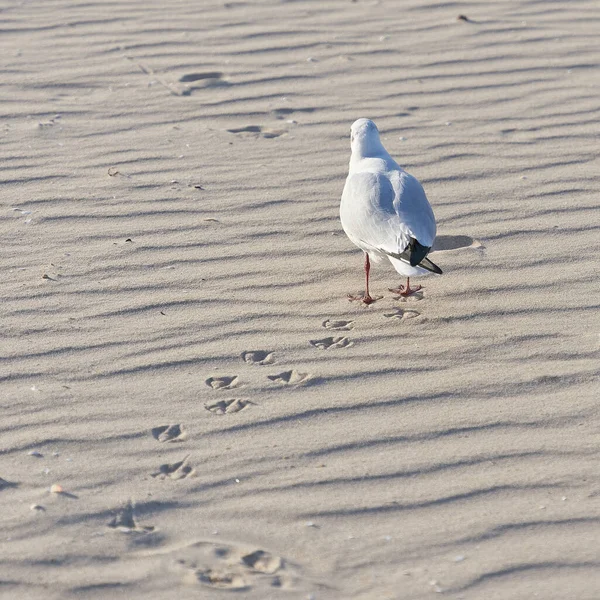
(384, 210)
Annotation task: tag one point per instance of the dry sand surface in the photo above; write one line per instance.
(179, 358)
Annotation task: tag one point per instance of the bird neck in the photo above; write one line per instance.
(368, 147)
(370, 164)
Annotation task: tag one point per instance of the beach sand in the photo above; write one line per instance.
(179, 357)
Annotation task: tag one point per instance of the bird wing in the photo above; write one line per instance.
(413, 208)
(384, 213)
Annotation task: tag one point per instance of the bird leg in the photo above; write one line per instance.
(367, 299)
(405, 290)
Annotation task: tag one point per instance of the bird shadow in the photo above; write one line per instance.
(453, 242)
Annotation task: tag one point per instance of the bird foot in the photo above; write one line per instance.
(405, 291)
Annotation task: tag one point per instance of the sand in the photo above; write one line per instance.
(179, 357)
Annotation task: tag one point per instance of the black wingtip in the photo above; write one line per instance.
(430, 266)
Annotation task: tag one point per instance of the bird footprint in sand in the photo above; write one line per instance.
(402, 314)
(220, 579)
(415, 297)
(169, 433)
(331, 342)
(338, 325)
(227, 406)
(259, 131)
(222, 383)
(289, 377)
(124, 521)
(262, 561)
(232, 567)
(258, 357)
(176, 470)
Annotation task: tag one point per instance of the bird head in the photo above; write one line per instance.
(364, 139)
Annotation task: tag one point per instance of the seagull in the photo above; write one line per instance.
(385, 212)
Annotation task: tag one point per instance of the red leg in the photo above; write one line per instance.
(367, 271)
(367, 297)
(406, 290)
